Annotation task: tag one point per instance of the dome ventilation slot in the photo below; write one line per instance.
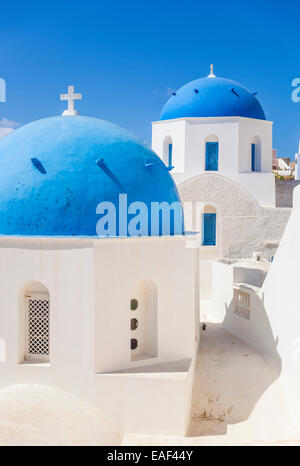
(149, 165)
(38, 165)
(109, 173)
(100, 163)
(234, 92)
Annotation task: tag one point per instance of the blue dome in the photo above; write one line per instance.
(54, 172)
(212, 97)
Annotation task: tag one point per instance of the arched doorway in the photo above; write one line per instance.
(209, 226)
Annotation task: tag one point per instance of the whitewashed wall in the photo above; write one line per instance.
(250, 276)
(235, 136)
(90, 282)
(274, 323)
(281, 304)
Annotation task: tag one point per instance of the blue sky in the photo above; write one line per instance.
(126, 56)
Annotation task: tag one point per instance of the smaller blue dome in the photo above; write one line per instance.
(212, 97)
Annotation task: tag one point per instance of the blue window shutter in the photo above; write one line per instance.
(170, 154)
(212, 155)
(253, 157)
(209, 229)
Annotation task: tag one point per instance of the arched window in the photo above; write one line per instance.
(209, 226)
(35, 323)
(211, 153)
(255, 154)
(134, 324)
(133, 344)
(143, 321)
(168, 152)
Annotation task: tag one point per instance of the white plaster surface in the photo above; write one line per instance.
(237, 398)
(36, 415)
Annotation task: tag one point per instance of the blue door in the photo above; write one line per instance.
(170, 154)
(209, 229)
(253, 157)
(212, 152)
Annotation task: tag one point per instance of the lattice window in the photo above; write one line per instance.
(37, 327)
(242, 304)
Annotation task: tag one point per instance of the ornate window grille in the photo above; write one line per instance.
(37, 327)
(242, 304)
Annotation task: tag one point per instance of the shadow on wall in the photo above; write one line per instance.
(285, 191)
(254, 330)
(232, 372)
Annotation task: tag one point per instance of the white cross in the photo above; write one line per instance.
(211, 75)
(70, 97)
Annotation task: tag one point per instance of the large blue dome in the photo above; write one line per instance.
(54, 172)
(212, 97)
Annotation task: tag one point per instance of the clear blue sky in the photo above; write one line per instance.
(125, 56)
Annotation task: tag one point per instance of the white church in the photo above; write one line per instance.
(144, 330)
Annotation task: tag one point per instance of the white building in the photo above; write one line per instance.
(214, 137)
(216, 125)
(112, 319)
